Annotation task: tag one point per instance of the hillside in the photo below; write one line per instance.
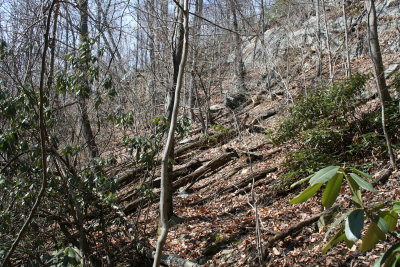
(235, 174)
(280, 155)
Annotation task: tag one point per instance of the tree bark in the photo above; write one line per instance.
(86, 127)
(328, 42)
(196, 39)
(375, 52)
(319, 58)
(239, 86)
(166, 192)
(346, 39)
(376, 57)
(212, 165)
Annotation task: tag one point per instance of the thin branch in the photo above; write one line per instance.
(42, 125)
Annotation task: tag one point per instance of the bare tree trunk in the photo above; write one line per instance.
(346, 39)
(319, 59)
(114, 48)
(86, 127)
(375, 52)
(328, 42)
(52, 46)
(239, 86)
(376, 57)
(177, 55)
(196, 39)
(166, 190)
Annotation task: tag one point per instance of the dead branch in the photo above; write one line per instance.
(263, 117)
(212, 165)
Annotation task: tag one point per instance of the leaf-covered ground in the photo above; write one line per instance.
(218, 218)
(217, 225)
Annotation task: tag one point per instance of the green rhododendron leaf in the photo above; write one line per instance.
(362, 183)
(324, 175)
(332, 190)
(306, 194)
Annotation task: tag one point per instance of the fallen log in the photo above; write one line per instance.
(263, 116)
(205, 142)
(255, 177)
(226, 177)
(129, 177)
(183, 149)
(132, 206)
(382, 177)
(189, 168)
(212, 165)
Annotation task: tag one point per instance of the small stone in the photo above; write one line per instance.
(276, 251)
(216, 108)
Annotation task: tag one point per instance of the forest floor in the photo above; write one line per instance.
(218, 211)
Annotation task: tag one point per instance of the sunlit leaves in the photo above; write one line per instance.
(336, 223)
(372, 237)
(306, 194)
(332, 190)
(382, 219)
(324, 175)
(362, 183)
(302, 181)
(355, 191)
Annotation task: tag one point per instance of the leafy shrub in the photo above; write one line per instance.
(220, 130)
(146, 148)
(320, 122)
(382, 216)
(302, 163)
(328, 107)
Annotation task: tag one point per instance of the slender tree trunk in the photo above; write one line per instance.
(375, 52)
(346, 39)
(52, 46)
(376, 57)
(239, 86)
(86, 127)
(177, 55)
(319, 56)
(166, 191)
(262, 29)
(196, 39)
(328, 42)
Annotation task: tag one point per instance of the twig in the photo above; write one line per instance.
(253, 202)
(42, 126)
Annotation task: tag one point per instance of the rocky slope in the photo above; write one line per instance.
(229, 198)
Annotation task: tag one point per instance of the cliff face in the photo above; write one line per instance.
(302, 39)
